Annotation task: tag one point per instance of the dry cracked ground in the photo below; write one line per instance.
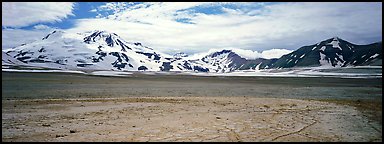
(184, 119)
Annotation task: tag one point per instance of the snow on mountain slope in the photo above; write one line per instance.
(97, 50)
(220, 61)
(102, 50)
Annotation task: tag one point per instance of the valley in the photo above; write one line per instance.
(140, 107)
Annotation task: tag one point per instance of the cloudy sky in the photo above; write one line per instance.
(256, 29)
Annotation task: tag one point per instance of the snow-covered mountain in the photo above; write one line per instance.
(333, 52)
(225, 61)
(97, 50)
(102, 50)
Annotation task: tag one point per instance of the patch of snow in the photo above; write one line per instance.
(323, 61)
(323, 48)
(302, 56)
(297, 72)
(340, 57)
(257, 68)
(368, 66)
(314, 47)
(111, 73)
(339, 64)
(349, 47)
(374, 56)
(335, 43)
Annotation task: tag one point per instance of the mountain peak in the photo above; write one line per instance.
(220, 52)
(98, 34)
(100, 31)
(335, 38)
(105, 37)
(55, 33)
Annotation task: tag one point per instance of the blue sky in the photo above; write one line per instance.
(196, 27)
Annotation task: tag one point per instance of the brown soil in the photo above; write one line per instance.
(186, 119)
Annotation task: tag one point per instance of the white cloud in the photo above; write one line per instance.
(41, 27)
(248, 54)
(93, 10)
(15, 37)
(20, 14)
(253, 26)
(275, 53)
(267, 54)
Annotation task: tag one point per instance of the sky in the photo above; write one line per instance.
(254, 29)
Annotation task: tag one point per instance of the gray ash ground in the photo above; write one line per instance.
(75, 107)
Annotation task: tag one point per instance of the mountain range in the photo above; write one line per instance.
(102, 50)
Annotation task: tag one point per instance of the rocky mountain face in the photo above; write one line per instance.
(102, 50)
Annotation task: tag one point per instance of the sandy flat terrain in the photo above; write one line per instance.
(184, 119)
